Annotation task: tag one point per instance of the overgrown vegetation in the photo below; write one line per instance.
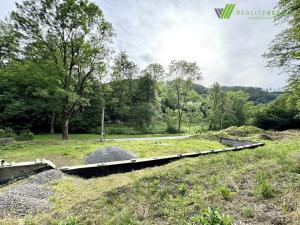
(255, 186)
(56, 83)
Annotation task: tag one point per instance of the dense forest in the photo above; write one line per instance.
(58, 72)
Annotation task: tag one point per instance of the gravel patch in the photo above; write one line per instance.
(109, 154)
(30, 197)
(47, 176)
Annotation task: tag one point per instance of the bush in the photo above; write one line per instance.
(226, 193)
(211, 217)
(171, 130)
(7, 133)
(121, 130)
(25, 136)
(263, 188)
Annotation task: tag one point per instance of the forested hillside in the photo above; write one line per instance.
(53, 82)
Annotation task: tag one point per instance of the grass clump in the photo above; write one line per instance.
(263, 188)
(211, 216)
(226, 193)
(69, 221)
(248, 212)
(125, 218)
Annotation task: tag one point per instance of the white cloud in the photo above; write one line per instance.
(228, 51)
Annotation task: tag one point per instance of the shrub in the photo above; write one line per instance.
(211, 217)
(171, 129)
(263, 188)
(121, 130)
(69, 221)
(226, 193)
(25, 136)
(7, 133)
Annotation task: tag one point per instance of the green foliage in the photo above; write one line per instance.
(242, 131)
(69, 221)
(276, 115)
(125, 218)
(180, 88)
(263, 189)
(25, 136)
(211, 216)
(226, 192)
(7, 133)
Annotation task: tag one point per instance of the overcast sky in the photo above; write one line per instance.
(227, 51)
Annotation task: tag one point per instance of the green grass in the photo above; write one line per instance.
(57, 137)
(73, 151)
(181, 192)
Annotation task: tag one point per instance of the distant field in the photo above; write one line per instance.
(73, 151)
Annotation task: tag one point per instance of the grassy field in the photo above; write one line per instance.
(255, 186)
(73, 151)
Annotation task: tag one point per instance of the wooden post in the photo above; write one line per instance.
(102, 125)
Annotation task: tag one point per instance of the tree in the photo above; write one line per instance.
(72, 34)
(28, 95)
(216, 100)
(9, 43)
(236, 108)
(276, 115)
(124, 71)
(284, 51)
(180, 88)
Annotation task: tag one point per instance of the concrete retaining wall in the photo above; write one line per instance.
(235, 142)
(104, 169)
(16, 170)
(11, 171)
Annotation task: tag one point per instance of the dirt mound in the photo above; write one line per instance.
(109, 154)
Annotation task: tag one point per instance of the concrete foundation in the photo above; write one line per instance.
(104, 169)
(11, 171)
(16, 170)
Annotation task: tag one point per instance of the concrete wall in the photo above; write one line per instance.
(13, 171)
(104, 169)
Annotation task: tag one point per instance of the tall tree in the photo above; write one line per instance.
(9, 43)
(124, 69)
(74, 35)
(217, 100)
(284, 51)
(183, 74)
(236, 108)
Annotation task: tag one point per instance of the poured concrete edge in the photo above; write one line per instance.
(12, 171)
(104, 169)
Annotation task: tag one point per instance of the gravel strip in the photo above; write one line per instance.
(30, 197)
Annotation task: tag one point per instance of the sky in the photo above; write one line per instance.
(227, 51)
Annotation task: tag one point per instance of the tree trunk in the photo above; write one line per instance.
(65, 126)
(179, 122)
(52, 123)
(102, 125)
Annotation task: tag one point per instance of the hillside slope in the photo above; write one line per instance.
(256, 186)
